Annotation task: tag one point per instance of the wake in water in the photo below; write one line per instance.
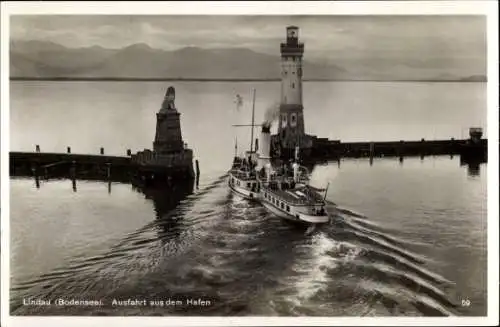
(216, 246)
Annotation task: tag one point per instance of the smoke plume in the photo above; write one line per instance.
(272, 113)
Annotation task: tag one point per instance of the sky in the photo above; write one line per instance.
(412, 41)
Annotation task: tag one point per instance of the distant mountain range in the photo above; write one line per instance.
(47, 60)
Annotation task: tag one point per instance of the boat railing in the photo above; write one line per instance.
(242, 173)
(303, 170)
(312, 199)
(282, 178)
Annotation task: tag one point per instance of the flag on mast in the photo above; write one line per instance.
(238, 101)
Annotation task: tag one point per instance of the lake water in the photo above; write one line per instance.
(405, 238)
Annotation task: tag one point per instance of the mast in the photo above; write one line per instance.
(326, 190)
(236, 146)
(253, 121)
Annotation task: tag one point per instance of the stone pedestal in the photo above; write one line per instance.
(168, 137)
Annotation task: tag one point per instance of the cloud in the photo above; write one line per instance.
(405, 39)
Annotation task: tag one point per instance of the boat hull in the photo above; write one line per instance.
(297, 217)
(243, 192)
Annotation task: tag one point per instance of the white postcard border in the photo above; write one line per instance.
(489, 8)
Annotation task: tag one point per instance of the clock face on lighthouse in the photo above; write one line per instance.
(292, 33)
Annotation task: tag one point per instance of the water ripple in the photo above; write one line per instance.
(233, 251)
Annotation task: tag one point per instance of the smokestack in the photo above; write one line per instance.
(295, 167)
(267, 168)
(266, 128)
(265, 145)
(272, 113)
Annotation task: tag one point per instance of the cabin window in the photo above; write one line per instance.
(288, 208)
(248, 185)
(293, 85)
(282, 205)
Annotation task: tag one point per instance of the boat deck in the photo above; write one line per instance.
(242, 175)
(300, 195)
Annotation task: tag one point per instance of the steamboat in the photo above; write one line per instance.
(284, 189)
(242, 175)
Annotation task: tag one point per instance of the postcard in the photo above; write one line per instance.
(249, 163)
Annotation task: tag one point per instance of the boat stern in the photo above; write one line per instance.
(314, 219)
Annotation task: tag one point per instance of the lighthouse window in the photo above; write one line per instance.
(282, 205)
(293, 120)
(288, 208)
(293, 85)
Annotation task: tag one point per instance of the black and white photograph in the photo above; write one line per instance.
(237, 164)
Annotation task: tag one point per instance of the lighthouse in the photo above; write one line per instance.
(291, 132)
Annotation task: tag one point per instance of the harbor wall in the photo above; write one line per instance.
(96, 167)
(333, 149)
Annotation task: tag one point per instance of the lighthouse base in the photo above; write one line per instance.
(287, 153)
